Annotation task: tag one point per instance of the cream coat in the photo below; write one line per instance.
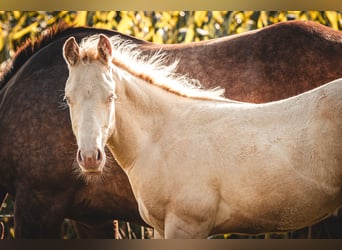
(200, 164)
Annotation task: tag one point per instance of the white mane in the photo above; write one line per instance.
(152, 68)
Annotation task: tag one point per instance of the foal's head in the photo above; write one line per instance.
(89, 92)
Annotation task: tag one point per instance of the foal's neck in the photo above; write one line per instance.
(142, 109)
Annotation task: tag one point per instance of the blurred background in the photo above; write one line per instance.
(155, 26)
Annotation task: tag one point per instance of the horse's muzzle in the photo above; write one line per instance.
(91, 162)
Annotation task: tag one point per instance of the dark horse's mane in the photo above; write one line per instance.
(30, 47)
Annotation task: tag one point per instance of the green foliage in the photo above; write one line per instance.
(155, 26)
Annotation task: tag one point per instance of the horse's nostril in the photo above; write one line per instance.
(79, 156)
(98, 155)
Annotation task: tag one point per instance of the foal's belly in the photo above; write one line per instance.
(265, 223)
(291, 210)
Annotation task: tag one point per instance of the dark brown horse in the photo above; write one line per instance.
(37, 145)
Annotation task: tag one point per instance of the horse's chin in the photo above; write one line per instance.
(92, 176)
(93, 172)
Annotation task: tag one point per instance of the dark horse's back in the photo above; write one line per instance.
(38, 148)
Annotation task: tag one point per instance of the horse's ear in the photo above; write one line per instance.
(104, 48)
(71, 51)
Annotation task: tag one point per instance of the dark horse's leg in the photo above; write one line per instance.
(37, 215)
(102, 231)
(329, 228)
(43, 218)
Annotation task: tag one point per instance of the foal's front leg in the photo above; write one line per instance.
(178, 227)
(157, 235)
